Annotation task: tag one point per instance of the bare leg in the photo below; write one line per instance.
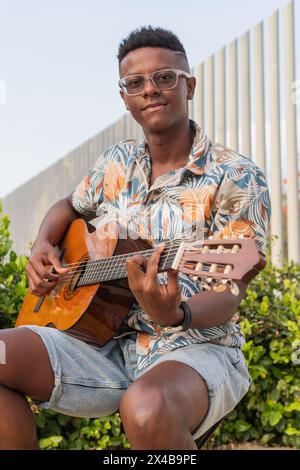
(164, 406)
(17, 426)
(27, 372)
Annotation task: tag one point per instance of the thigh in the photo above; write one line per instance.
(173, 390)
(89, 381)
(224, 372)
(27, 368)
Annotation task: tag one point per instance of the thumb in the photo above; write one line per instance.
(54, 259)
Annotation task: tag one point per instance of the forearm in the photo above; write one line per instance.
(56, 222)
(210, 308)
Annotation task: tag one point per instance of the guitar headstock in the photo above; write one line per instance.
(218, 262)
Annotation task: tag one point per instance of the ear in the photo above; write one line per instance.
(191, 85)
(123, 96)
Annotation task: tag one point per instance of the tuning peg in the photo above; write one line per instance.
(213, 268)
(234, 288)
(204, 285)
(227, 269)
(219, 287)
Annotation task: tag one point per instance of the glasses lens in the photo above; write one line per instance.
(165, 79)
(134, 84)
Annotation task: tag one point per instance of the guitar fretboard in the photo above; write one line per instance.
(114, 267)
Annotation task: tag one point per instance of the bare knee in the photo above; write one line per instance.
(146, 408)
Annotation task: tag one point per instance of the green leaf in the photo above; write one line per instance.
(290, 431)
(242, 426)
(274, 417)
(292, 407)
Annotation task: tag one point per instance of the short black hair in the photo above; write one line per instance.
(149, 36)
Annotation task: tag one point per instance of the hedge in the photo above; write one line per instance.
(270, 319)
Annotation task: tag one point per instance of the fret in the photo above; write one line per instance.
(114, 267)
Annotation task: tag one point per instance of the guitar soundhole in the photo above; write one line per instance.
(72, 287)
(75, 279)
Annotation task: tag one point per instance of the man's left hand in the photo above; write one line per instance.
(160, 301)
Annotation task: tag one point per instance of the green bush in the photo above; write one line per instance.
(64, 432)
(13, 279)
(270, 317)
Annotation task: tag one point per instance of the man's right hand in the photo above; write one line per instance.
(41, 281)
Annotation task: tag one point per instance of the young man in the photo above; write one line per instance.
(170, 385)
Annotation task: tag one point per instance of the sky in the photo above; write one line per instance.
(59, 68)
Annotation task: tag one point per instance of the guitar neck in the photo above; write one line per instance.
(114, 267)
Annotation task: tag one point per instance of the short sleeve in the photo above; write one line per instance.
(88, 195)
(242, 205)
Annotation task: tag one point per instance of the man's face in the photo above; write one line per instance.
(146, 60)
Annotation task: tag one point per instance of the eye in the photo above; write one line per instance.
(134, 82)
(164, 77)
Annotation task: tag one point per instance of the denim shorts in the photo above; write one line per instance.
(90, 380)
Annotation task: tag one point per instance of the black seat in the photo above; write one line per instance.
(207, 435)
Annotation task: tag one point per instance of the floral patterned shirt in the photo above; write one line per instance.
(218, 192)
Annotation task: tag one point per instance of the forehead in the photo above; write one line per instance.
(147, 59)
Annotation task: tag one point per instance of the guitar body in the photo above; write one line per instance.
(92, 313)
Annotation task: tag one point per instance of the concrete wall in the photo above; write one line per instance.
(27, 205)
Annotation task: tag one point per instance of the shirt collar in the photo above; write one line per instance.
(200, 147)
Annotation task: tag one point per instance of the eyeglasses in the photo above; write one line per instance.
(162, 79)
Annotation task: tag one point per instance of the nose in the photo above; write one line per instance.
(150, 87)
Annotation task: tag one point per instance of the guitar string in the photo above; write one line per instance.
(110, 263)
(113, 259)
(124, 254)
(135, 253)
(120, 270)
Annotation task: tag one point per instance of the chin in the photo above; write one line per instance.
(156, 124)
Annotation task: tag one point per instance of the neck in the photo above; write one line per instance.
(166, 150)
(114, 267)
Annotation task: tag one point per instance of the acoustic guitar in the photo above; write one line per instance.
(93, 299)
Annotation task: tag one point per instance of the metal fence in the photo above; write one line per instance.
(244, 99)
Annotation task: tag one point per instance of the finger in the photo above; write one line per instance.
(173, 284)
(152, 266)
(54, 259)
(39, 268)
(173, 277)
(37, 286)
(139, 260)
(133, 267)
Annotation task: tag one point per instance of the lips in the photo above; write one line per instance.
(155, 107)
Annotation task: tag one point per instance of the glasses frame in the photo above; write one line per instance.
(150, 76)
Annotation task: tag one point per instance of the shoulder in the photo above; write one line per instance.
(231, 164)
(119, 152)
